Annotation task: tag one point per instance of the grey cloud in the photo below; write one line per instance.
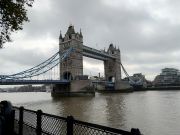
(102, 24)
(23, 57)
(134, 29)
(152, 58)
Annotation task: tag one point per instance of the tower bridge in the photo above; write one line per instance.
(72, 67)
(69, 64)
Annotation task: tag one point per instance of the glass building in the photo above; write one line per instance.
(168, 77)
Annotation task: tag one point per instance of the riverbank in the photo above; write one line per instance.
(115, 91)
(161, 88)
(172, 88)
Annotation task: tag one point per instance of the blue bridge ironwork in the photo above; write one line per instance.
(24, 77)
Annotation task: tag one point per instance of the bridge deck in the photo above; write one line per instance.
(96, 54)
(22, 82)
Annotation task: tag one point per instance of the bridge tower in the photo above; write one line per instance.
(112, 67)
(73, 65)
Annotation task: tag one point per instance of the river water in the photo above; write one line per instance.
(153, 112)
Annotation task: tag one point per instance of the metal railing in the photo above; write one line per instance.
(29, 122)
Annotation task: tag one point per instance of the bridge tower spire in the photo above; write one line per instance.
(73, 65)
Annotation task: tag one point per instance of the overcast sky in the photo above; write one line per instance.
(146, 31)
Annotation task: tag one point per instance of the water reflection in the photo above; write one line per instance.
(115, 110)
(102, 109)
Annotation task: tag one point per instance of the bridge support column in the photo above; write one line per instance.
(112, 67)
(73, 65)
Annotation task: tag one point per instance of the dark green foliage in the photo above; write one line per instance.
(12, 15)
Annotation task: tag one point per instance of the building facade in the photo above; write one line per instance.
(168, 77)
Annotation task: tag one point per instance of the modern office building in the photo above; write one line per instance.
(168, 77)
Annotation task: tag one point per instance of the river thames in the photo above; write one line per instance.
(153, 112)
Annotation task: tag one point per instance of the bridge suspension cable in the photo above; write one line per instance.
(131, 81)
(40, 68)
(124, 70)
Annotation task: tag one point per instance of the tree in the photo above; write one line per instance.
(13, 14)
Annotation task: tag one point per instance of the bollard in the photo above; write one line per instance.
(135, 131)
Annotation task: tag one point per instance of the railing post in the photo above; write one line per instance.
(70, 121)
(38, 126)
(21, 113)
(135, 131)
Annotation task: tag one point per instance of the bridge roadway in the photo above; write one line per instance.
(22, 82)
(96, 54)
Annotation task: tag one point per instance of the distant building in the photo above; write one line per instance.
(137, 79)
(93, 78)
(168, 77)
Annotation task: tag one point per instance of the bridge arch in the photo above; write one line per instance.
(111, 78)
(67, 76)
